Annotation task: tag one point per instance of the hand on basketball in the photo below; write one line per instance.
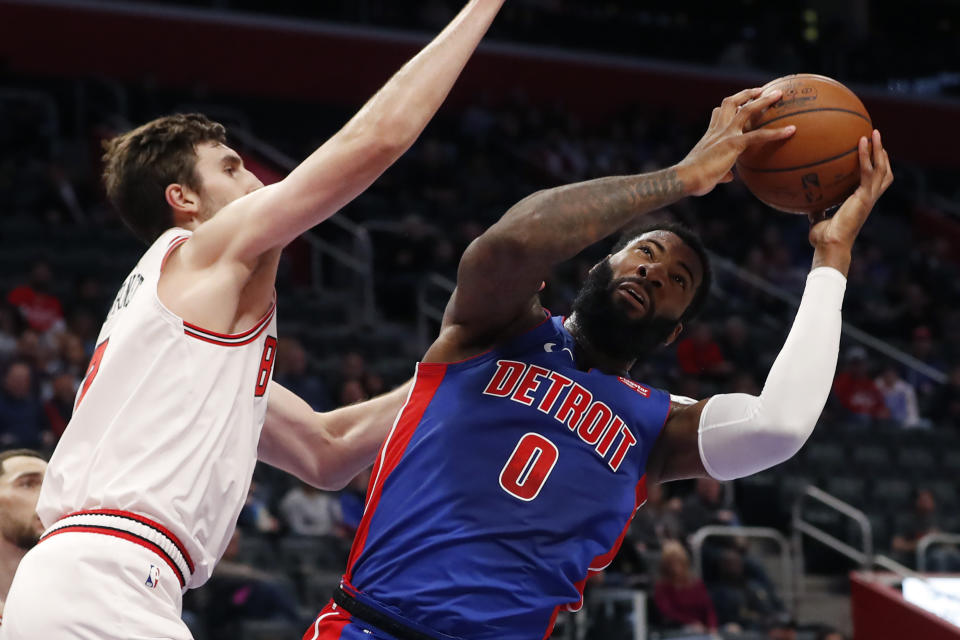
(875, 176)
(711, 161)
(833, 237)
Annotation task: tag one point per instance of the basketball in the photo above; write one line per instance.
(817, 167)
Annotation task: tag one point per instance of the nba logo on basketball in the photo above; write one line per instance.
(153, 578)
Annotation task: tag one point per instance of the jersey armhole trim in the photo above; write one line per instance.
(232, 339)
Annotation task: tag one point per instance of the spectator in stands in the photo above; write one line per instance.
(310, 512)
(856, 391)
(681, 597)
(739, 599)
(705, 507)
(940, 558)
(238, 592)
(700, 355)
(925, 349)
(351, 392)
(899, 396)
(831, 634)
(657, 522)
(255, 515)
(21, 414)
(59, 407)
(291, 372)
(39, 307)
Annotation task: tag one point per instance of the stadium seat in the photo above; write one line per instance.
(850, 489)
(871, 457)
(891, 493)
(918, 460)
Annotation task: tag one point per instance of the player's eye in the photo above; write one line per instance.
(646, 250)
(681, 281)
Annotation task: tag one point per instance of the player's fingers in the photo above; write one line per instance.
(761, 136)
(757, 106)
(878, 150)
(730, 104)
(866, 166)
(726, 178)
(714, 116)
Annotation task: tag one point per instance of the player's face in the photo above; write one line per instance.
(632, 301)
(655, 275)
(19, 491)
(223, 178)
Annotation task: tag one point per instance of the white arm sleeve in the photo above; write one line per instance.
(740, 434)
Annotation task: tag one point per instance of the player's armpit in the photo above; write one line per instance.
(676, 453)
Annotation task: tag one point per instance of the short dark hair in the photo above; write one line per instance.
(18, 453)
(692, 240)
(140, 164)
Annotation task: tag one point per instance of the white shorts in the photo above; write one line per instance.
(90, 586)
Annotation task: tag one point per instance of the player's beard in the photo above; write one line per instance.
(607, 327)
(24, 535)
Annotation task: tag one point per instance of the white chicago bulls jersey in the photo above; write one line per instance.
(166, 421)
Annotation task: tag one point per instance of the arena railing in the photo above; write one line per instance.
(787, 576)
(427, 311)
(930, 539)
(358, 258)
(726, 266)
(864, 556)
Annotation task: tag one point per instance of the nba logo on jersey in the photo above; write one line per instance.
(636, 386)
(153, 578)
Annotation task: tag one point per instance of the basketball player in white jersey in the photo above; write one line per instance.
(143, 490)
(21, 472)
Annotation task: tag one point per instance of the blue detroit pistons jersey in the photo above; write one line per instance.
(506, 480)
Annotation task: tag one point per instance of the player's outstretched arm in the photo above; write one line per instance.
(352, 159)
(326, 450)
(734, 435)
(500, 272)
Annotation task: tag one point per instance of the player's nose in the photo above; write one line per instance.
(652, 272)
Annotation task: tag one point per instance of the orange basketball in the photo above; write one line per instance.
(817, 167)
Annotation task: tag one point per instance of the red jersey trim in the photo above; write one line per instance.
(426, 383)
(176, 242)
(124, 535)
(142, 520)
(231, 339)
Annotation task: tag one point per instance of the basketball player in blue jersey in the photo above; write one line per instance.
(524, 448)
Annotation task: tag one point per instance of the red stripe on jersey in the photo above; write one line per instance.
(552, 623)
(602, 562)
(231, 339)
(425, 385)
(329, 624)
(142, 520)
(146, 544)
(176, 242)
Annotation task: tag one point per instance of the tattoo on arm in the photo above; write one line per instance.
(556, 224)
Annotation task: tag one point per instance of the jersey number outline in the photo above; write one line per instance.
(529, 466)
(92, 369)
(266, 366)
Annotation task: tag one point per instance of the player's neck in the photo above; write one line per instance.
(588, 357)
(10, 556)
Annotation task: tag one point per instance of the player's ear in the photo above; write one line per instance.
(677, 330)
(183, 201)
